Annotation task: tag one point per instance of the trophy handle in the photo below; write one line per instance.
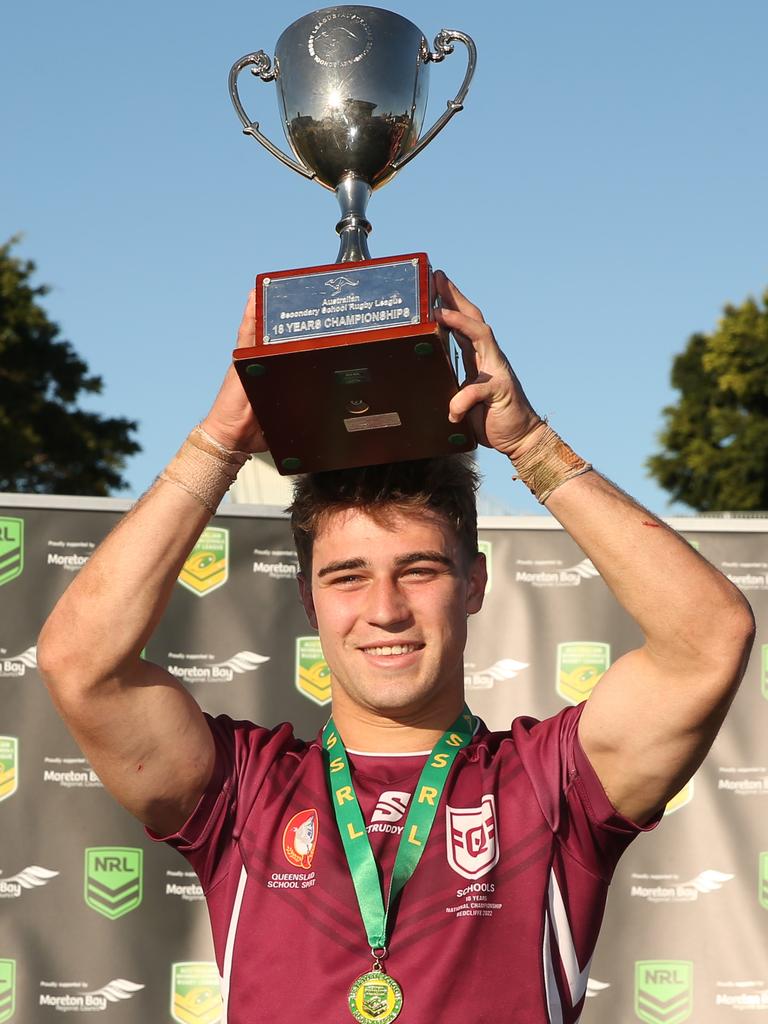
(262, 69)
(444, 48)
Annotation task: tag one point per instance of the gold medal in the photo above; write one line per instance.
(375, 997)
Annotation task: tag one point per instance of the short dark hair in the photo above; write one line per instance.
(445, 486)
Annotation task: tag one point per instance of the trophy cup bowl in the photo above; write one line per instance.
(352, 85)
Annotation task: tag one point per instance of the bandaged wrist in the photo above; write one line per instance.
(548, 464)
(204, 468)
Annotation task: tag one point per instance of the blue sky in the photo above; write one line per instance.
(601, 197)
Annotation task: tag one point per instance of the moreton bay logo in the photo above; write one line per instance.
(580, 666)
(195, 993)
(548, 572)
(763, 880)
(7, 989)
(501, 671)
(31, 877)
(78, 998)
(669, 888)
(207, 567)
(16, 666)
(11, 548)
(313, 677)
(201, 668)
(113, 879)
(9, 757)
(663, 991)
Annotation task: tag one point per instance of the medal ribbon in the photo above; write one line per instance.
(418, 824)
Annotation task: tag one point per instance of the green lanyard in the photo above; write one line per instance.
(418, 824)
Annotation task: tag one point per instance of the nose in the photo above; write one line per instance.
(387, 605)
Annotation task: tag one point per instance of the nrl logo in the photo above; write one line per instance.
(16, 667)
(470, 834)
(29, 878)
(113, 879)
(580, 667)
(7, 989)
(9, 758)
(195, 993)
(11, 548)
(313, 677)
(207, 567)
(663, 991)
(500, 672)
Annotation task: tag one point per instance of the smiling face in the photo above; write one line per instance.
(391, 605)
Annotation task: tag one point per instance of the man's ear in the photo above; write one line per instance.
(478, 579)
(305, 594)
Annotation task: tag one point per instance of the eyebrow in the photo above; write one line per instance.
(348, 564)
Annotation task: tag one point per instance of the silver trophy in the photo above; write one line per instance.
(352, 84)
(349, 366)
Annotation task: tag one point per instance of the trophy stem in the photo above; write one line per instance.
(353, 194)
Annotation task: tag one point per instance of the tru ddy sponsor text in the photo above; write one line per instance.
(113, 879)
(663, 991)
(207, 567)
(312, 675)
(195, 993)
(11, 548)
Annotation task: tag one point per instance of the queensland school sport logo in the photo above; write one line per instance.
(313, 677)
(470, 834)
(580, 667)
(300, 838)
(663, 991)
(195, 993)
(7, 989)
(11, 548)
(113, 879)
(207, 567)
(9, 759)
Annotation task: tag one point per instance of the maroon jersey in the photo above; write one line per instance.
(498, 922)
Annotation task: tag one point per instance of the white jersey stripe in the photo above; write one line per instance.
(229, 949)
(577, 978)
(554, 1006)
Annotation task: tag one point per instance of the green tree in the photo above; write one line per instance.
(47, 444)
(715, 442)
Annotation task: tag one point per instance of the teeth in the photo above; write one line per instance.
(394, 649)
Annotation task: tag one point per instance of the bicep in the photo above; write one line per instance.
(647, 727)
(148, 741)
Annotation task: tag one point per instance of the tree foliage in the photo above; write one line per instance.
(47, 444)
(715, 442)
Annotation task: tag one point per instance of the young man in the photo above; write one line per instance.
(316, 912)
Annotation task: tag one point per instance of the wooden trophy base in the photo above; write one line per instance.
(352, 369)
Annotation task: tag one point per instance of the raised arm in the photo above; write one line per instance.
(144, 735)
(654, 714)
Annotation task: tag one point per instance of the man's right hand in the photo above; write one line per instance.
(232, 421)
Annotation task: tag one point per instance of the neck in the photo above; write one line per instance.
(394, 730)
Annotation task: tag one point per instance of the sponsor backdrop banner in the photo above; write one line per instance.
(96, 919)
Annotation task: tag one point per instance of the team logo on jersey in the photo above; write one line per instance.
(485, 547)
(663, 991)
(300, 838)
(470, 834)
(207, 567)
(9, 759)
(391, 806)
(313, 677)
(764, 672)
(580, 666)
(763, 880)
(113, 879)
(11, 548)
(195, 993)
(7, 989)
(680, 799)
